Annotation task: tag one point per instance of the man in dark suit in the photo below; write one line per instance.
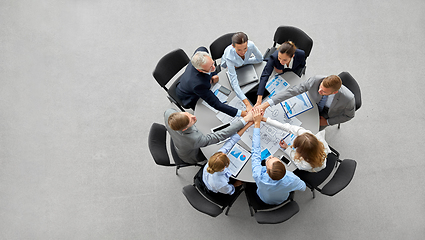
(196, 82)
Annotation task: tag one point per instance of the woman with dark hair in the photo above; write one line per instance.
(287, 58)
(239, 53)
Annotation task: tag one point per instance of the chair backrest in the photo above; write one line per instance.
(169, 65)
(296, 35)
(158, 144)
(315, 179)
(278, 215)
(351, 83)
(220, 199)
(200, 203)
(217, 47)
(342, 177)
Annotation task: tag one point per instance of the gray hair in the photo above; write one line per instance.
(199, 59)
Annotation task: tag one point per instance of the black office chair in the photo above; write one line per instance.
(158, 147)
(270, 214)
(206, 201)
(167, 67)
(341, 178)
(350, 83)
(218, 46)
(296, 35)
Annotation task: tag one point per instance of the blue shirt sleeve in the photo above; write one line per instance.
(256, 155)
(230, 143)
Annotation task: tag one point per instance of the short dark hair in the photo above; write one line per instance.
(239, 38)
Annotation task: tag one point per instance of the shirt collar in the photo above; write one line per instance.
(290, 64)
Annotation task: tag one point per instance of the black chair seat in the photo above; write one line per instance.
(266, 213)
(279, 215)
(340, 179)
(200, 203)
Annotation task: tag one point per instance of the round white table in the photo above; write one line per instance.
(207, 118)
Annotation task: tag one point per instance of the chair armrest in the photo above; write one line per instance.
(335, 151)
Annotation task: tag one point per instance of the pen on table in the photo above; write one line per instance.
(292, 107)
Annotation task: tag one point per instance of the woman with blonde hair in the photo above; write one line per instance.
(216, 175)
(308, 152)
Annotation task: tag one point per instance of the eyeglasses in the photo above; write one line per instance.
(210, 70)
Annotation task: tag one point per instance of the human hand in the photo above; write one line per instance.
(249, 116)
(283, 144)
(237, 183)
(323, 121)
(264, 106)
(278, 70)
(243, 113)
(248, 107)
(258, 115)
(214, 79)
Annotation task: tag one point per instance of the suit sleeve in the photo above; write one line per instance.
(206, 94)
(293, 91)
(268, 69)
(211, 138)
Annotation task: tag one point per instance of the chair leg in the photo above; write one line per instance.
(312, 191)
(227, 210)
(177, 169)
(339, 125)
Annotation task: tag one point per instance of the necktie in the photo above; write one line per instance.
(322, 102)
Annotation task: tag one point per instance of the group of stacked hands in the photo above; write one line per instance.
(308, 152)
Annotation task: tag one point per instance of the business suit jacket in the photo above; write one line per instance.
(194, 85)
(273, 62)
(188, 142)
(342, 107)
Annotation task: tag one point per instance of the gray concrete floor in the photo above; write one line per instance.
(77, 99)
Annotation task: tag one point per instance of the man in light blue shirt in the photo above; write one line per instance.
(240, 53)
(274, 182)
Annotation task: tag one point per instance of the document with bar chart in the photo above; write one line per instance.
(238, 157)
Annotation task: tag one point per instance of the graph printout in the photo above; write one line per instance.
(238, 157)
(276, 84)
(296, 105)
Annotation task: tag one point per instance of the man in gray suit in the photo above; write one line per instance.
(188, 139)
(336, 102)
